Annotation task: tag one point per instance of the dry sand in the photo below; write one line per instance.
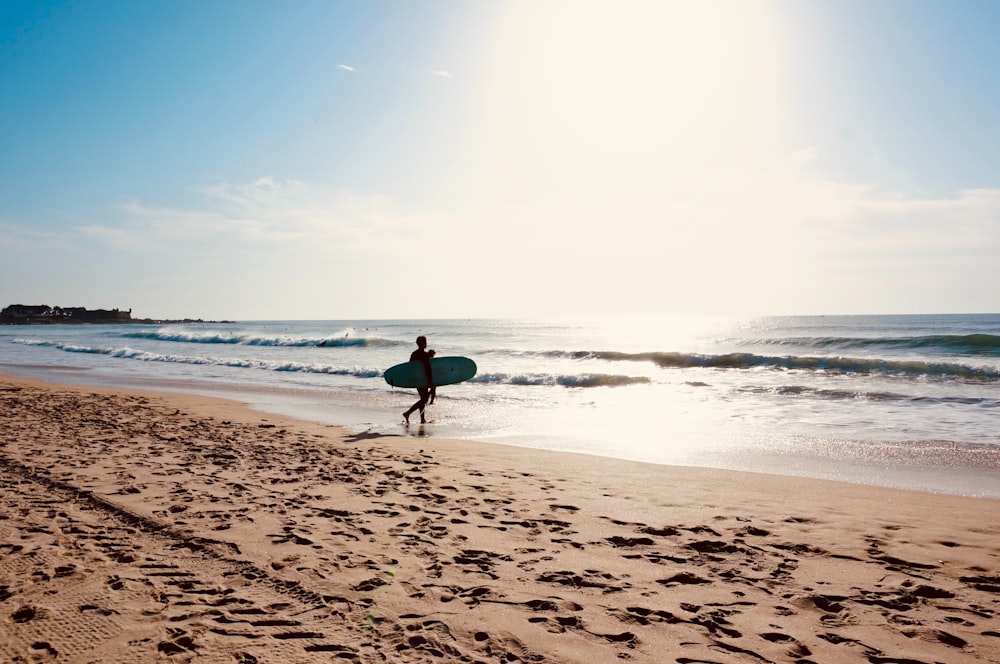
(138, 527)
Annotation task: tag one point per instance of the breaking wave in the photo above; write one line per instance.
(576, 380)
(668, 360)
(266, 365)
(974, 344)
(794, 362)
(344, 339)
(866, 395)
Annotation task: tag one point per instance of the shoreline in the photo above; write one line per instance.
(939, 467)
(142, 524)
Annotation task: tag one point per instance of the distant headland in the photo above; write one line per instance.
(43, 314)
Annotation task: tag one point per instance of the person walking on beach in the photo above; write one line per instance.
(421, 355)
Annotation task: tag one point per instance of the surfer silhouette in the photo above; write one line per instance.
(421, 355)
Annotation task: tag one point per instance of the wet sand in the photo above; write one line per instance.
(139, 527)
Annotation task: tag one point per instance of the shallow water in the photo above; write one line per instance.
(909, 401)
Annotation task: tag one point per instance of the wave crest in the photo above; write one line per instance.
(341, 340)
(575, 380)
(792, 362)
(266, 365)
(973, 344)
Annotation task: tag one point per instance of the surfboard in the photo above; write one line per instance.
(445, 370)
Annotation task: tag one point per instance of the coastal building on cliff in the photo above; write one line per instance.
(29, 314)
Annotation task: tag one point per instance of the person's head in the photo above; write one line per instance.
(421, 341)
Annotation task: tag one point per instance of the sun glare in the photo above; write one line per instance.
(636, 89)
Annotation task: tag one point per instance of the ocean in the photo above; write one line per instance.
(902, 401)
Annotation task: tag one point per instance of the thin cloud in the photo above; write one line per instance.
(346, 67)
(21, 237)
(261, 191)
(440, 72)
(269, 213)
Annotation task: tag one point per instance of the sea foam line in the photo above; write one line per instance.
(266, 365)
(865, 395)
(976, 344)
(576, 380)
(791, 362)
(342, 339)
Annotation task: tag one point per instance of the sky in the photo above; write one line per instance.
(252, 160)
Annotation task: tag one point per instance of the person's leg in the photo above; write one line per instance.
(424, 395)
(422, 391)
(409, 411)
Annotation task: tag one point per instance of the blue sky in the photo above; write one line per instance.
(265, 160)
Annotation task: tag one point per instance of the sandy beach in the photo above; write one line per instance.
(139, 527)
